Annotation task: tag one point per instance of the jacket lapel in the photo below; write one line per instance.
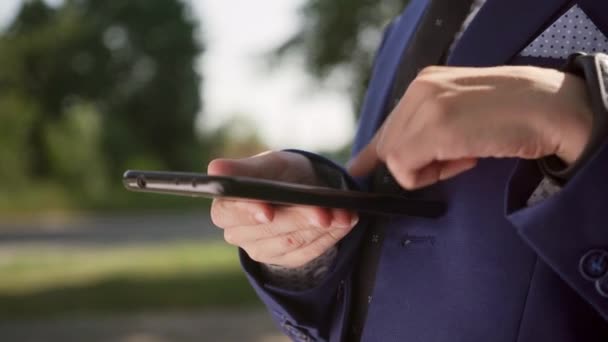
(500, 31)
(597, 11)
(503, 28)
(385, 67)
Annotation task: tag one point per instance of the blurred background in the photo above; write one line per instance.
(89, 88)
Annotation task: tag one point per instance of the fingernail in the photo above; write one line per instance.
(354, 220)
(261, 217)
(341, 225)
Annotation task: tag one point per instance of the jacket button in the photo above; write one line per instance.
(340, 292)
(295, 333)
(594, 264)
(601, 285)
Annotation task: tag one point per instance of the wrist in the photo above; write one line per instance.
(576, 128)
(593, 71)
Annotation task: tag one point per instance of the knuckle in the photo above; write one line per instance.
(431, 69)
(254, 254)
(302, 218)
(382, 148)
(394, 162)
(387, 148)
(408, 180)
(216, 213)
(402, 174)
(424, 84)
(439, 115)
(449, 144)
(212, 165)
(530, 150)
(230, 238)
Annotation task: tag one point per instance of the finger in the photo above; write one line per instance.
(233, 213)
(294, 249)
(414, 160)
(267, 165)
(434, 172)
(391, 131)
(367, 159)
(276, 246)
(399, 120)
(281, 166)
(286, 220)
(342, 218)
(306, 216)
(301, 256)
(405, 168)
(456, 167)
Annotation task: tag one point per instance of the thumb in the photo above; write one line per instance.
(366, 161)
(264, 165)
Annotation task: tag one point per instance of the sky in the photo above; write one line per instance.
(286, 107)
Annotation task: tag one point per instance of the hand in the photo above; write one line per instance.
(288, 236)
(449, 117)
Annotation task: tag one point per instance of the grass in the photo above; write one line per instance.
(52, 199)
(58, 281)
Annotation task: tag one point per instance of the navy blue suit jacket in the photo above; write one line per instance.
(491, 269)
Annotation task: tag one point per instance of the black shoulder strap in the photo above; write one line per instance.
(429, 45)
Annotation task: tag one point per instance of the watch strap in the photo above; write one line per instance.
(593, 68)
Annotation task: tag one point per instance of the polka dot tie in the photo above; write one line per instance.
(572, 32)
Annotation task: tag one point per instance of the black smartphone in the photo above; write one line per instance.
(202, 185)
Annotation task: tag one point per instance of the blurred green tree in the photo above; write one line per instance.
(98, 84)
(236, 139)
(341, 35)
(16, 118)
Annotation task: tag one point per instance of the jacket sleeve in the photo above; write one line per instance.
(569, 230)
(318, 313)
(311, 314)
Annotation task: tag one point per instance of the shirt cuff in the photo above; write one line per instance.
(311, 274)
(300, 278)
(545, 189)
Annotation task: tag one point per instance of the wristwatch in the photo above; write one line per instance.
(593, 68)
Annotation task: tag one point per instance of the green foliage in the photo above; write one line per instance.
(236, 139)
(83, 167)
(97, 84)
(42, 282)
(342, 34)
(91, 86)
(16, 117)
(153, 89)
